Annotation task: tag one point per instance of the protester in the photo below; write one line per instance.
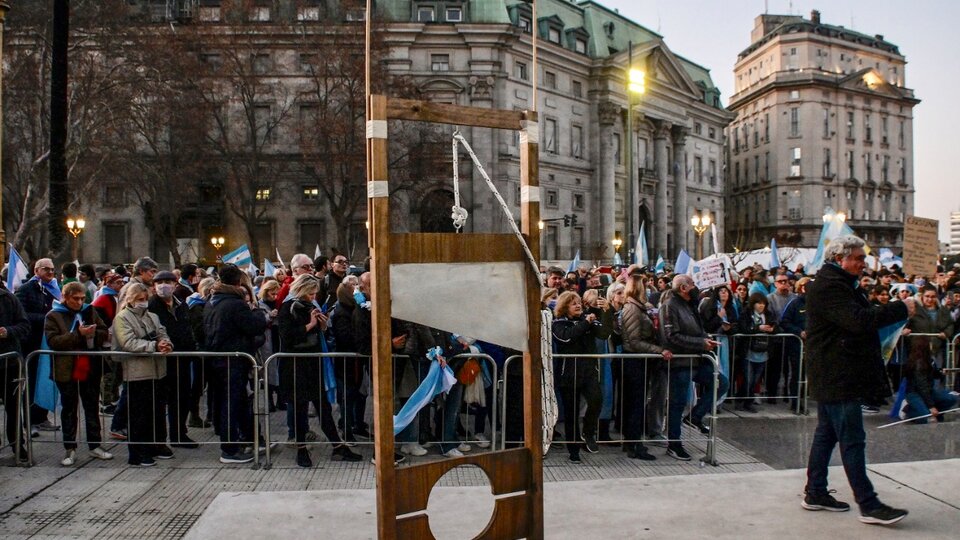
(14, 330)
(37, 296)
(924, 393)
(755, 321)
(271, 342)
(845, 368)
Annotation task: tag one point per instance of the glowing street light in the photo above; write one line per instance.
(700, 225)
(76, 226)
(635, 81)
(218, 242)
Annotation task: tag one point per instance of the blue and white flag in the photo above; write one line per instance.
(252, 270)
(833, 227)
(617, 261)
(268, 268)
(17, 271)
(683, 262)
(889, 336)
(437, 381)
(888, 259)
(661, 265)
(774, 255)
(239, 256)
(641, 252)
(280, 259)
(574, 263)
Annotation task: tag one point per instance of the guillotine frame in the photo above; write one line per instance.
(516, 475)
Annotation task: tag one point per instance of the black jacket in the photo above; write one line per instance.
(300, 377)
(14, 319)
(36, 302)
(230, 325)
(176, 320)
(843, 347)
(758, 340)
(681, 330)
(577, 336)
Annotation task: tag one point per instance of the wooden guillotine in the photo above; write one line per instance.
(516, 475)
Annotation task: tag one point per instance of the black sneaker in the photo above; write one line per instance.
(163, 452)
(870, 409)
(185, 442)
(823, 502)
(590, 443)
(235, 458)
(698, 424)
(303, 458)
(343, 453)
(575, 458)
(884, 515)
(142, 462)
(640, 452)
(677, 452)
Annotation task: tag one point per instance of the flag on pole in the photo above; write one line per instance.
(252, 270)
(640, 252)
(774, 255)
(280, 259)
(239, 256)
(268, 268)
(617, 261)
(574, 263)
(17, 271)
(661, 265)
(316, 251)
(683, 262)
(834, 225)
(713, 234)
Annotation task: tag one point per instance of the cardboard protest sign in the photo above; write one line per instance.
(921, 248)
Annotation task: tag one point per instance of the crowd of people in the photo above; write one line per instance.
(755, 326)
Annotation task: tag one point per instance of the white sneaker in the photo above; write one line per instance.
(464, 447)
(70, 459)
(453, 452)
(100, 453)
(480, 440)
(413, 449)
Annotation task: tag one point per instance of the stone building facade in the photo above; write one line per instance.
(824, 119)
(478, 53)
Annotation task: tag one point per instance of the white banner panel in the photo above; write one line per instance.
(481, 300)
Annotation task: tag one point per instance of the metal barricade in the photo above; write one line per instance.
(13, 390)
(301, 357)
(897, 366)
(710, 419)
(180, 358)
(799, 379)
(952, 366)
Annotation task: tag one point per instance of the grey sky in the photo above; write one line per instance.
(712, 32)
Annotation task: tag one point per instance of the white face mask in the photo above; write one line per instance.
(139, 305)
(165, 290)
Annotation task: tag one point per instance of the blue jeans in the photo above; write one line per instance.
(942, 400)
(679, 389)
(842, 423)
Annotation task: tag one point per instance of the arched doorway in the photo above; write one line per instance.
(435, 209)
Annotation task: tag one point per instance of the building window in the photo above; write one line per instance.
(756, 169)
(884, 168)
(746, 171)
(850, 164)
(520, 70)
(766, 166)
(440, 62)
(553, 35)
(617, 144)
(312, 234)
(903, 171)
(883, 130)
(794, 121)
(794, 207)
(116, 242)
(826, 123)
(826, 164)
(900, 135)
(712, 171)
(550, 80)
(454, 14)
(756, 137)
(260, 63)
(426, 14)
(698, 169)
(766, 127)
(736, 139)
(580, 46)
(553, 199)
(259, 14)
(308, 13)
(736, 173)
(308, 62)
(311, 192)
(524, 24)
(551, 144)
(867, 128)
(263, 131)
(114, 195)
(869, 165)
(264, 193)
(795, 162)
(577, 89)
(697, 128)
(794, 94)
(850, 126)
(209, 14)
(578, 201)
(577, 142)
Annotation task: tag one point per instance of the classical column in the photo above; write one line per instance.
(680, 211)
(660, 135)
(608, 113)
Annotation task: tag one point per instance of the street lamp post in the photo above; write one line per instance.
(76, 226)
(617, 242)
(218, 242)
(635, 87)
(700, 225)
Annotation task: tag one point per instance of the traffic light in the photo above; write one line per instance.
(573, 220)
(566, 220)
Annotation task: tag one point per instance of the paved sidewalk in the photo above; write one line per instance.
(715, 507)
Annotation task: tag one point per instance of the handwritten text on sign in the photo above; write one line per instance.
(709, 273)
(921, 248)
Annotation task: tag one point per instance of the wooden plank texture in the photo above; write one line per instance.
(454, 248)
(442, 113)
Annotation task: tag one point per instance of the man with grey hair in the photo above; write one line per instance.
(37, 296)
(682, 333)
(143, 271)
(300, 263)
(845, 369)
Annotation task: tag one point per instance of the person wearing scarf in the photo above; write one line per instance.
(37, 296)
(106, 305)
(73, 325)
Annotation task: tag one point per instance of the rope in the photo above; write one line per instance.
(458, 138)
(458, 213)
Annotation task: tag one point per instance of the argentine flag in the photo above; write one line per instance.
(661, 266)
(640, 252)
(239, 256)
(833, 227)
(17, 271)
(683, 262)
(574, 263)
(774, 255)
(268, 268)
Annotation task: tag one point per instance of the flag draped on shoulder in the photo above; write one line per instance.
(239, 256)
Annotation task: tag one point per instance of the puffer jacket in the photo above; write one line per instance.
(138, 332)
(577, 336)
(636, 329)
(680, 329)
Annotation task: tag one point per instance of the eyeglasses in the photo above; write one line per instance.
(306, 266)
(780, 281)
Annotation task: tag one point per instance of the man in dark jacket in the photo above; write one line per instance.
(14, 329)
(682, 333)
(845, 369)
(37, 296)
(175, 317)
(231, 325)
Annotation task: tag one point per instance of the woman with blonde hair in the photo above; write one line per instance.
(271, 339)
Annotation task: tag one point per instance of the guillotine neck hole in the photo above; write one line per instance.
(456, 512)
